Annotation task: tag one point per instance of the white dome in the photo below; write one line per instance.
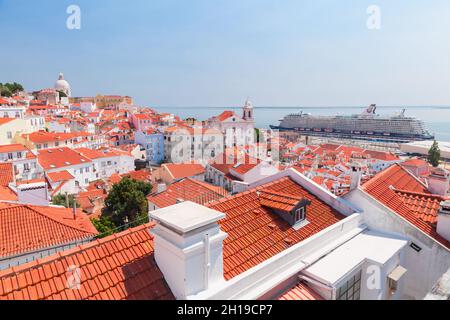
(62, 85)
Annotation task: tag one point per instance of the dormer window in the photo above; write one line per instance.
(300, 214)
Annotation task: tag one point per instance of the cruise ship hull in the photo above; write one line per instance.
(357, 135)
(366, 126)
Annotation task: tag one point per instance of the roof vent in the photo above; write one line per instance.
(288, 241)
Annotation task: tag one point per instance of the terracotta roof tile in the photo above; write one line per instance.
(187, 190)
(184, 170)
(399, 190)
(300, 291)
(27, 228)
(108, 271)
(253, 238)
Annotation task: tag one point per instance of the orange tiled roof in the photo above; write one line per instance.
(6, 120)
(385, 187)
(6, 174)
(300, 291)
(27, 228)
(225, 115)
(425, 206)
(184, 170)
(188, 190)
(60, 158)
(256, 233)
(118, 267)
(12, 148)
(60, 176)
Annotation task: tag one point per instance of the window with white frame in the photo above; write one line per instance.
(300, 214)
(350, 290)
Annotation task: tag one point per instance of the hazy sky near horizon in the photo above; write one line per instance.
(218, 52)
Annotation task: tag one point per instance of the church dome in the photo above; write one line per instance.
(62, 85)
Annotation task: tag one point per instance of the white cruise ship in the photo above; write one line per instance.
(368, 125)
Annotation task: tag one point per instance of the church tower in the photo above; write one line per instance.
(248, 111)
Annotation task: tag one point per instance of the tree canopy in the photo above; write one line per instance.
(126, 204)
(434, 154)
(60, 200)
(9, 89)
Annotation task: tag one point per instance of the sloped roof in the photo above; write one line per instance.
(26, 228)
(256, 233)
(6, 174)
(118, 267)
(188, 190)
(300, 291)
(184, 170)
(393, 187)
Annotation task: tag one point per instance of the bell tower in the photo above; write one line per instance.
(248, 111)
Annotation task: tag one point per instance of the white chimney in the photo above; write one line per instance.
(438, 181)
(443, 222)
(188, 247)
(355, 176)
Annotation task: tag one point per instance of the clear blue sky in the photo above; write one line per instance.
(218, 52)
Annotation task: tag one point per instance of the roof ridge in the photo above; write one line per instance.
(70, 252)
(204, 184)
(430, 195)
(31, 207)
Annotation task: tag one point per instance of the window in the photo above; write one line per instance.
(9, 134)
(299, 214)
(17, 115)
(351, 290)
(19, 155)
(45, 145)
(56, 143)
(38, 146)
(10, 156)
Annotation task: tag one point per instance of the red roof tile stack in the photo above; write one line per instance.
(394, 187)
(26, 228)
(300, 291)
(121, 266)
(256, 233)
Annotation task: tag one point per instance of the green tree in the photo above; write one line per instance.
(60, 200)
(104, 226)
(126, 203)
(5, 92)
(434, 154)
(8, 89)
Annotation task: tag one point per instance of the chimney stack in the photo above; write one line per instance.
(443, 223)
(188, 247)
(355, 176)
(438, 181)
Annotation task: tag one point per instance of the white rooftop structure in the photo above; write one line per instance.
(368, 246)
(194, 216)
